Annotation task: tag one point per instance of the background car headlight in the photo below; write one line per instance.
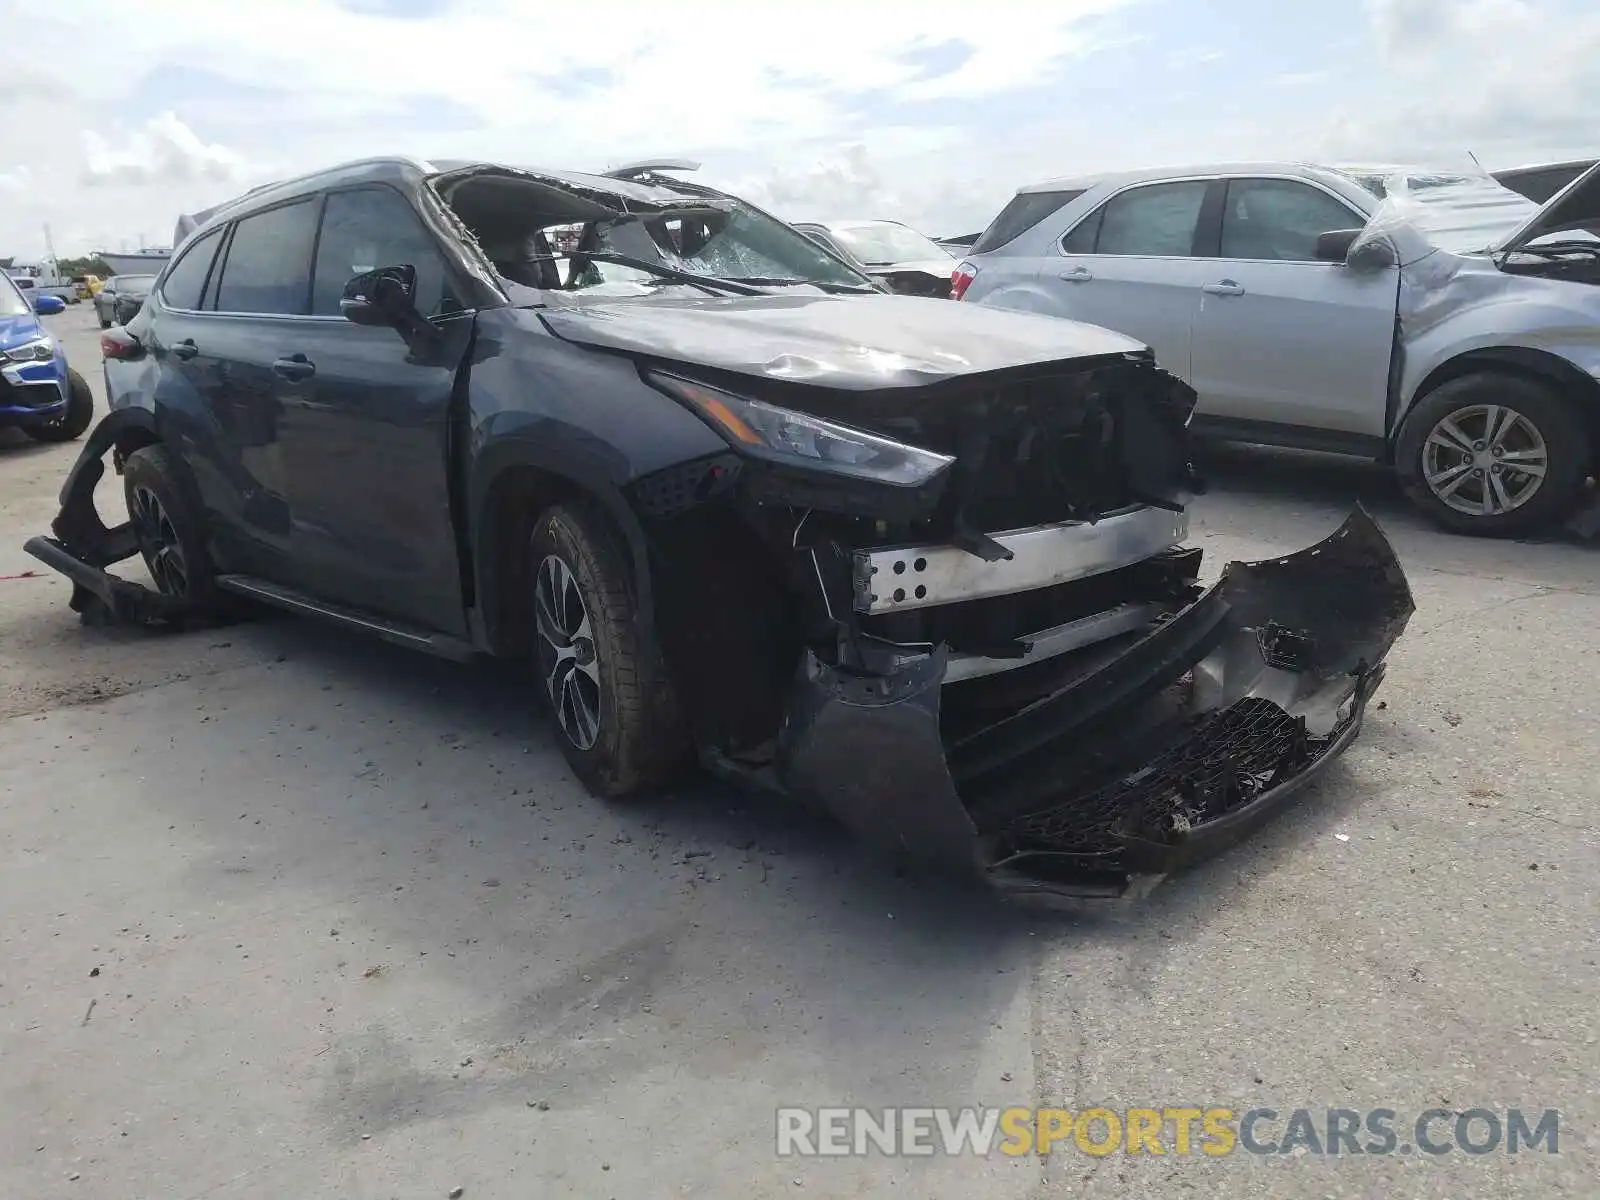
(41, 349)
(770, 431)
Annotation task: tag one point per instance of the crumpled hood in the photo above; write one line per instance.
(1576, 206)
(18, 329)
(850, 342)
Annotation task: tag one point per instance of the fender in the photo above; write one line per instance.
(112, 430)
(582, 472)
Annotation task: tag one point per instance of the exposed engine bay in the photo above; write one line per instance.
(1012, 668)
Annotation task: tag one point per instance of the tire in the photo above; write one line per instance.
(171, 532)
(633, 737)
(1542, 426)
(104, 324)
(71, 421)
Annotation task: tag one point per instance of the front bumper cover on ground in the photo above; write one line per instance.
(1154, 755)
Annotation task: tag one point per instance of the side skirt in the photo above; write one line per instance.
(412, 637)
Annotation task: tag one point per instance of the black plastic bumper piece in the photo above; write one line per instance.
(1154, 756)
(82, 546)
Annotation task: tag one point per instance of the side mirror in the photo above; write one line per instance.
(1339, 246)
(386, 296)
(48, 306)
(1335, 245)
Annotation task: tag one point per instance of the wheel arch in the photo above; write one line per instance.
(1539, 365)
(511, 487)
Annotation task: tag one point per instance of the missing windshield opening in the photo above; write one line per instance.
(550, 235)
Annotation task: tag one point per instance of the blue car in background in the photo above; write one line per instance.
(39, 393)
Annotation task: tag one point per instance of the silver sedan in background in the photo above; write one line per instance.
(120, 298)
(1435, 320)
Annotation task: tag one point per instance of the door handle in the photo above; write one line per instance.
(1076, 275)
(295, 367)
(1223, 287)
(185, 349)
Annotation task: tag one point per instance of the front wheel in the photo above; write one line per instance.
(1494, 455)
(616, 715)
(70, 421)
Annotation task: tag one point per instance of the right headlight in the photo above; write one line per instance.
(804, 440)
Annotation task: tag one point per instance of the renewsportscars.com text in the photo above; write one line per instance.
(1179, 1130)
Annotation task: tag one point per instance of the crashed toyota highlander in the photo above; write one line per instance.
(918, 562)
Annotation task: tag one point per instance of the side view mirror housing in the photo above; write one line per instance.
(1339, 246)
(48, 306)
(385, 296)
(1334, 246)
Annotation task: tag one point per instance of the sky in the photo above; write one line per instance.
(119, 116)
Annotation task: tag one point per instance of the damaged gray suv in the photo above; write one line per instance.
(1432, 319)
(917, 562)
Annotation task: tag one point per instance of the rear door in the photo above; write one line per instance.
(190, 348)
(258, 296)
(1297, 347)
(1130, 266)
(366, 430)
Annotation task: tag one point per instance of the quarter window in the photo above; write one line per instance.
(1279, 219)
(185, 278)
(1157, 220)
(268, 267)
(368, 228)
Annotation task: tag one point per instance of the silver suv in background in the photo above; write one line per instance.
(1435, 320)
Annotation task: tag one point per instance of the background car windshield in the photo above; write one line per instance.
(888, 243)
(11, 302)
(739, 243)
(134, 283)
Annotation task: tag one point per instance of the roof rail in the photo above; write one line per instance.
(638, 170)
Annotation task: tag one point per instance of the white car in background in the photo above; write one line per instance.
(1434, 320)
(907, 262)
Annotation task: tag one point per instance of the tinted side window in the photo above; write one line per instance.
(1082, 238)
(268, 269)
(1158, 220)
(369, 228)
(1279, 219)
(1025, 211)
(184, 279)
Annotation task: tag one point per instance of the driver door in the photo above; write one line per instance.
(366, 424)
(1282, 340)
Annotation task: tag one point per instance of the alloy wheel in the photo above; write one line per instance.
(566, 652)
(158, 542)
(1485, 460)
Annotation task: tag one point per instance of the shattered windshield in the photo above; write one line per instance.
(885, 242)
(737, 243)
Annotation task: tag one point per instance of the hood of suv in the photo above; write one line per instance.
(1577, 206)
(849, 342)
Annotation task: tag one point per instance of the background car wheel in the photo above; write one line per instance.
(104, 324)
(72, 420)
(169, 527)
(617, 718)
(1494, 454)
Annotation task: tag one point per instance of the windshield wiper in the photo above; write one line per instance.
(709, 283)
(1572, 246)
(852, 289)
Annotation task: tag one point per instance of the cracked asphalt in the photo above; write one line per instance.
(284, 913)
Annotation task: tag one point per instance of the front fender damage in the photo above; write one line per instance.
(1150, 756)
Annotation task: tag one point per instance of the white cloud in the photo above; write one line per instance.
(162, 151)
(820, 111)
